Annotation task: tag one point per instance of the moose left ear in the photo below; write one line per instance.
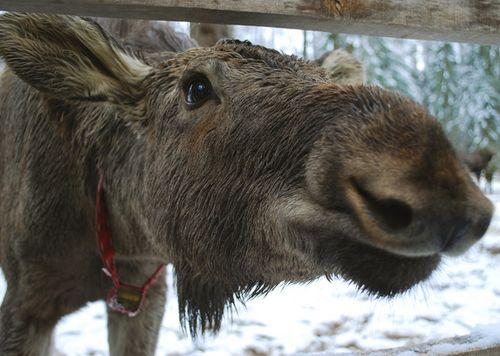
(70, 58)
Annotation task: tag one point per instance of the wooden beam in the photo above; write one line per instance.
(469, 345)
(446, 20)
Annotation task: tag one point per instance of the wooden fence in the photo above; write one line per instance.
(447, 20)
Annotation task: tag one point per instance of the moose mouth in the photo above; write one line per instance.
(385, 235)
(375, 271)
(392, 253)
(342, 248)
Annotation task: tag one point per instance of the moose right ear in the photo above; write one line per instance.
(70, 58)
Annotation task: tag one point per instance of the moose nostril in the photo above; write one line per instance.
(391, 213)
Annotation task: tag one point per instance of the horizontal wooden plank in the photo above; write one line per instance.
(447, 20)
(469, 345)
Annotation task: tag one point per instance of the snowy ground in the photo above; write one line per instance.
(328, 316)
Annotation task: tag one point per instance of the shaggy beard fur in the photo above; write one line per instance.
(203, 301)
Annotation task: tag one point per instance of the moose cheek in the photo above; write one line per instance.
(203, 123)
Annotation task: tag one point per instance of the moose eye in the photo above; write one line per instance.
(197, 90)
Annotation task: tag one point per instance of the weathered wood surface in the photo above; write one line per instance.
(448, 20)
(470, 345)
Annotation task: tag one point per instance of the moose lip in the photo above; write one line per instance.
(321, 223)
(389, 274)
(341, 247)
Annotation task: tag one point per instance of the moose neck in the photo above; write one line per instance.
(109, 146)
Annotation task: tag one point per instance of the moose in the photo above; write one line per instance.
(489, 174)
(477, 162)
(242, 167)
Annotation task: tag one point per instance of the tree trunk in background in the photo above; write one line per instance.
(320, 44)
(304, 45)
(208, 34)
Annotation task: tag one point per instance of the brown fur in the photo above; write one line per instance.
(280, 176)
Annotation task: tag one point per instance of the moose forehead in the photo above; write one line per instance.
(242, 55)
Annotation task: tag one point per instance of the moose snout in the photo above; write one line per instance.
(389, 176)
(462, 232)
(413, 223)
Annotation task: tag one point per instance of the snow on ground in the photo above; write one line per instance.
(328, 316)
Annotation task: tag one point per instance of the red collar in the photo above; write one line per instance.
(122, 297)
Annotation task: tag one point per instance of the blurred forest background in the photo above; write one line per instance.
(458, 83)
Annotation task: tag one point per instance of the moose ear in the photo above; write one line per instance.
(69, 58)
(343, 67)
